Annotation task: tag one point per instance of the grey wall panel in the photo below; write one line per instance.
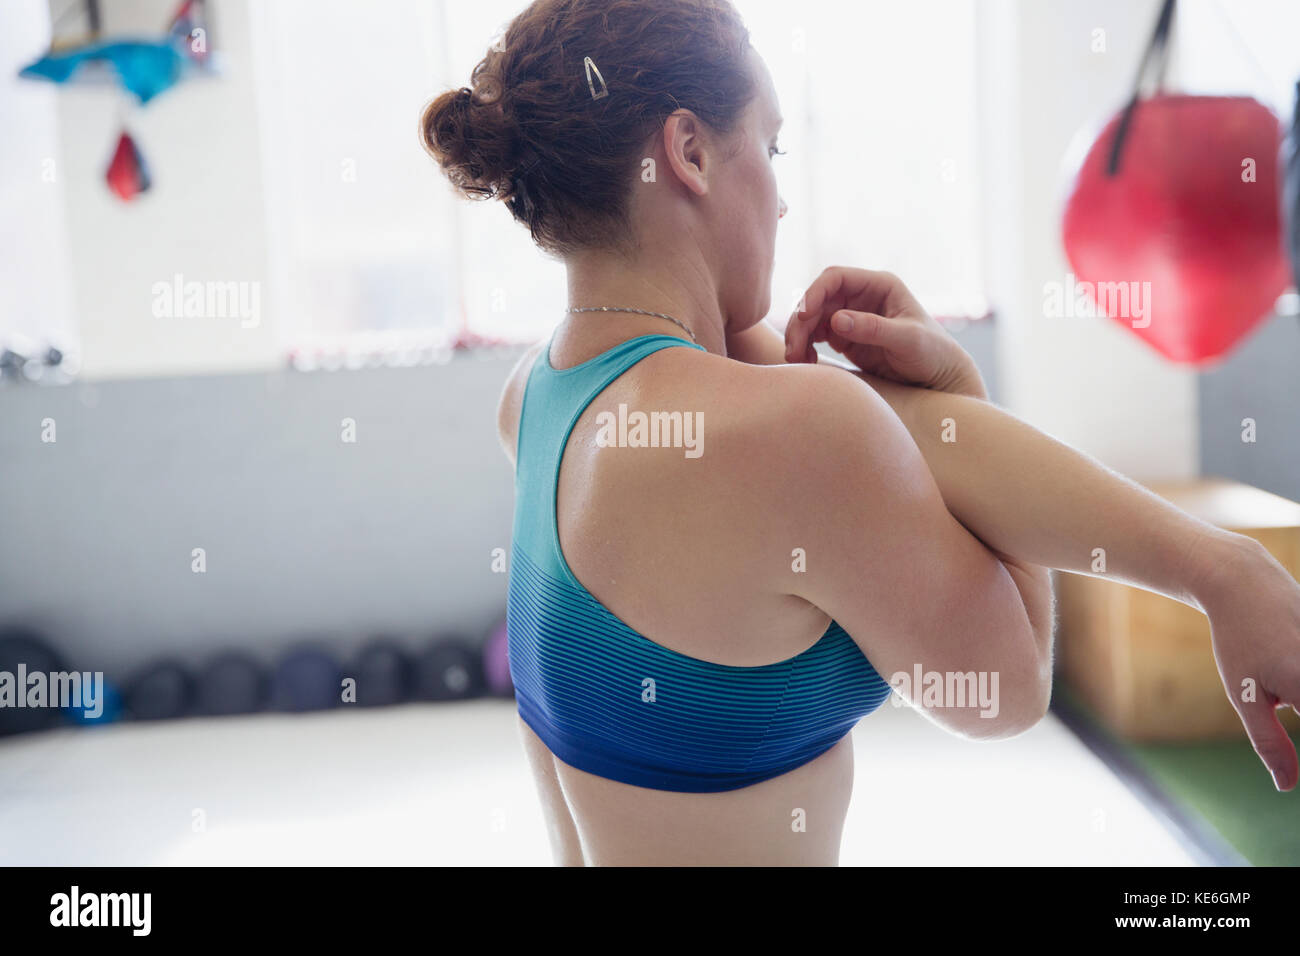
(1261, 381)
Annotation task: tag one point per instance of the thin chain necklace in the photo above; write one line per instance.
(658, 315)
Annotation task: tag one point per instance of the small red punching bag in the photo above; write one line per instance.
(1179, 201)
(127, 174)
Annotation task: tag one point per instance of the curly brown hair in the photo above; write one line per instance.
(529, 131)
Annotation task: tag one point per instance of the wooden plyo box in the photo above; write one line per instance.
(1143, 662)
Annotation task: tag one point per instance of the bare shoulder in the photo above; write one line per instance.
(770, 426)
(776, 441)
(512, 397)
(811, 416)
(786, 417)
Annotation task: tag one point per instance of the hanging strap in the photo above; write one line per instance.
(1157, 57)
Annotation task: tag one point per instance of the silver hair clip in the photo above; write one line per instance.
(591, 67)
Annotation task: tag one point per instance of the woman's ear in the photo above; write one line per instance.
(685, 147)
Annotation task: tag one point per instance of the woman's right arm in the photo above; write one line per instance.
(1026, 494)
(877, 550)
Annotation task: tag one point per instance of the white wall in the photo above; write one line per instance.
(35, 302)
(203, 217)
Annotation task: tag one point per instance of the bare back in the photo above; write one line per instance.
(646, 532)
(700, 555)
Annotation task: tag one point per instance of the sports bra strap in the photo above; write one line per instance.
(554, 400)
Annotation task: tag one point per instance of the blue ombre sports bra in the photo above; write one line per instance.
(583, 678)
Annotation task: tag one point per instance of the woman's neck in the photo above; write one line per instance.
(683, 289)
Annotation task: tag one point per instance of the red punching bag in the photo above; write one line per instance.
(127, 174)
(1179, 202)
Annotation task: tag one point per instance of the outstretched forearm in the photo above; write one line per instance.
(1038, 503)
(1025, 494)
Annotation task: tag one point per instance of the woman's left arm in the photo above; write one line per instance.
(759, 344)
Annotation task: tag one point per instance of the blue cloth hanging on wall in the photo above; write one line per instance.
(144, 68)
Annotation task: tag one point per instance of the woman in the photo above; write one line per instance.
(701, 609)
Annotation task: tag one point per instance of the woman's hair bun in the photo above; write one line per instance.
(530, 130)
(472, 141)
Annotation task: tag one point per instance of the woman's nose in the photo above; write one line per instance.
(784, 210)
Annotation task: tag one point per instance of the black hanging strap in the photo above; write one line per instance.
(1157, 55)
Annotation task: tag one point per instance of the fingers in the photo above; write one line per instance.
(1270, 739)
(881, 293)
(804, 324)
(866, 328)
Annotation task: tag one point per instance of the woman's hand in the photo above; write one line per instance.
(1253, 604)
(874, 321)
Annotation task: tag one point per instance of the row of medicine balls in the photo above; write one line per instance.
(305, 678)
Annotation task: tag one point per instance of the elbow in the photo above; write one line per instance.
(1022, 696)
(1037, 698)
(1026, 687)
